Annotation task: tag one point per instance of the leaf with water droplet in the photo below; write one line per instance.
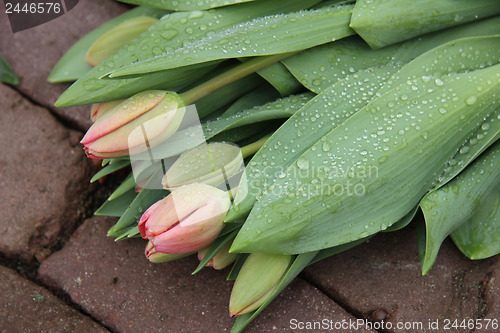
(288, 106)
(258, 37)
(308, 125)
(95, 87)
(385, 22)
(185, 5)
(325, 65)
(374, 192)
(469, 203)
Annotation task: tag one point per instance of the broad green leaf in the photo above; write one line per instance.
(308, 125)
(360, 88)
(254, 98)
(320, 67)
(182, 5)
(281, 108)
(118, 206)
(127, 185)
(110, 168)
(471, 199)
(300, 262)
(7, 75)
(73, 65)
(247, 134)
(169, 34)
(323, 254)
(385, 22)
(281, 33)
(281, 79)
(479, 237)
(88, 90)
(403, 222)
(224, 96)
(368, 177)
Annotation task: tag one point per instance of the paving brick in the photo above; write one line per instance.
(27, 307)
(117, 285)
(44, 177)
(34, 52)
(492, 292)
(382, 279)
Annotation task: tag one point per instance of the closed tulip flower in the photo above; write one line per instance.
(258, 278)
(137, 123)
(188, 219)
(221, 260)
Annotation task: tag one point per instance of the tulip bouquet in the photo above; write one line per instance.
(349, 115)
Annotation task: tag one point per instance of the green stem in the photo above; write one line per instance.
(252, 148)
(232, 75)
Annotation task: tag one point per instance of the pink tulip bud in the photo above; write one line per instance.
(98, 109)
(188, 219)
(143, 120)
(221, 260)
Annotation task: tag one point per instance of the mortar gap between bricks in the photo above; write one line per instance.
(353, 312)
(30, 272)
(61, 120)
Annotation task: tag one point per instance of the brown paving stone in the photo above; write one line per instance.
(27, 307)
(43, 176)
(34, 52)
(492, 292)
(385, 275)
(118, 286)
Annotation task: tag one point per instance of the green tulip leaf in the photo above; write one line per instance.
(281, 108)
(385, 22)
(181, 5)
(118, 206)
(73, 65)
(224, 96)
(164, 36)
(308, 125)
(300, 262)
(297, 31)
(127, 185)
(471, 199)
(110, 168)
(479, 237)
(250, 100)
(368, 82)
(368, 178)
(128, 220)
(281, 79)
(7, 74)
(320, 67)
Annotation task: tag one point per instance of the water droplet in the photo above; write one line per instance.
(471, 100)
